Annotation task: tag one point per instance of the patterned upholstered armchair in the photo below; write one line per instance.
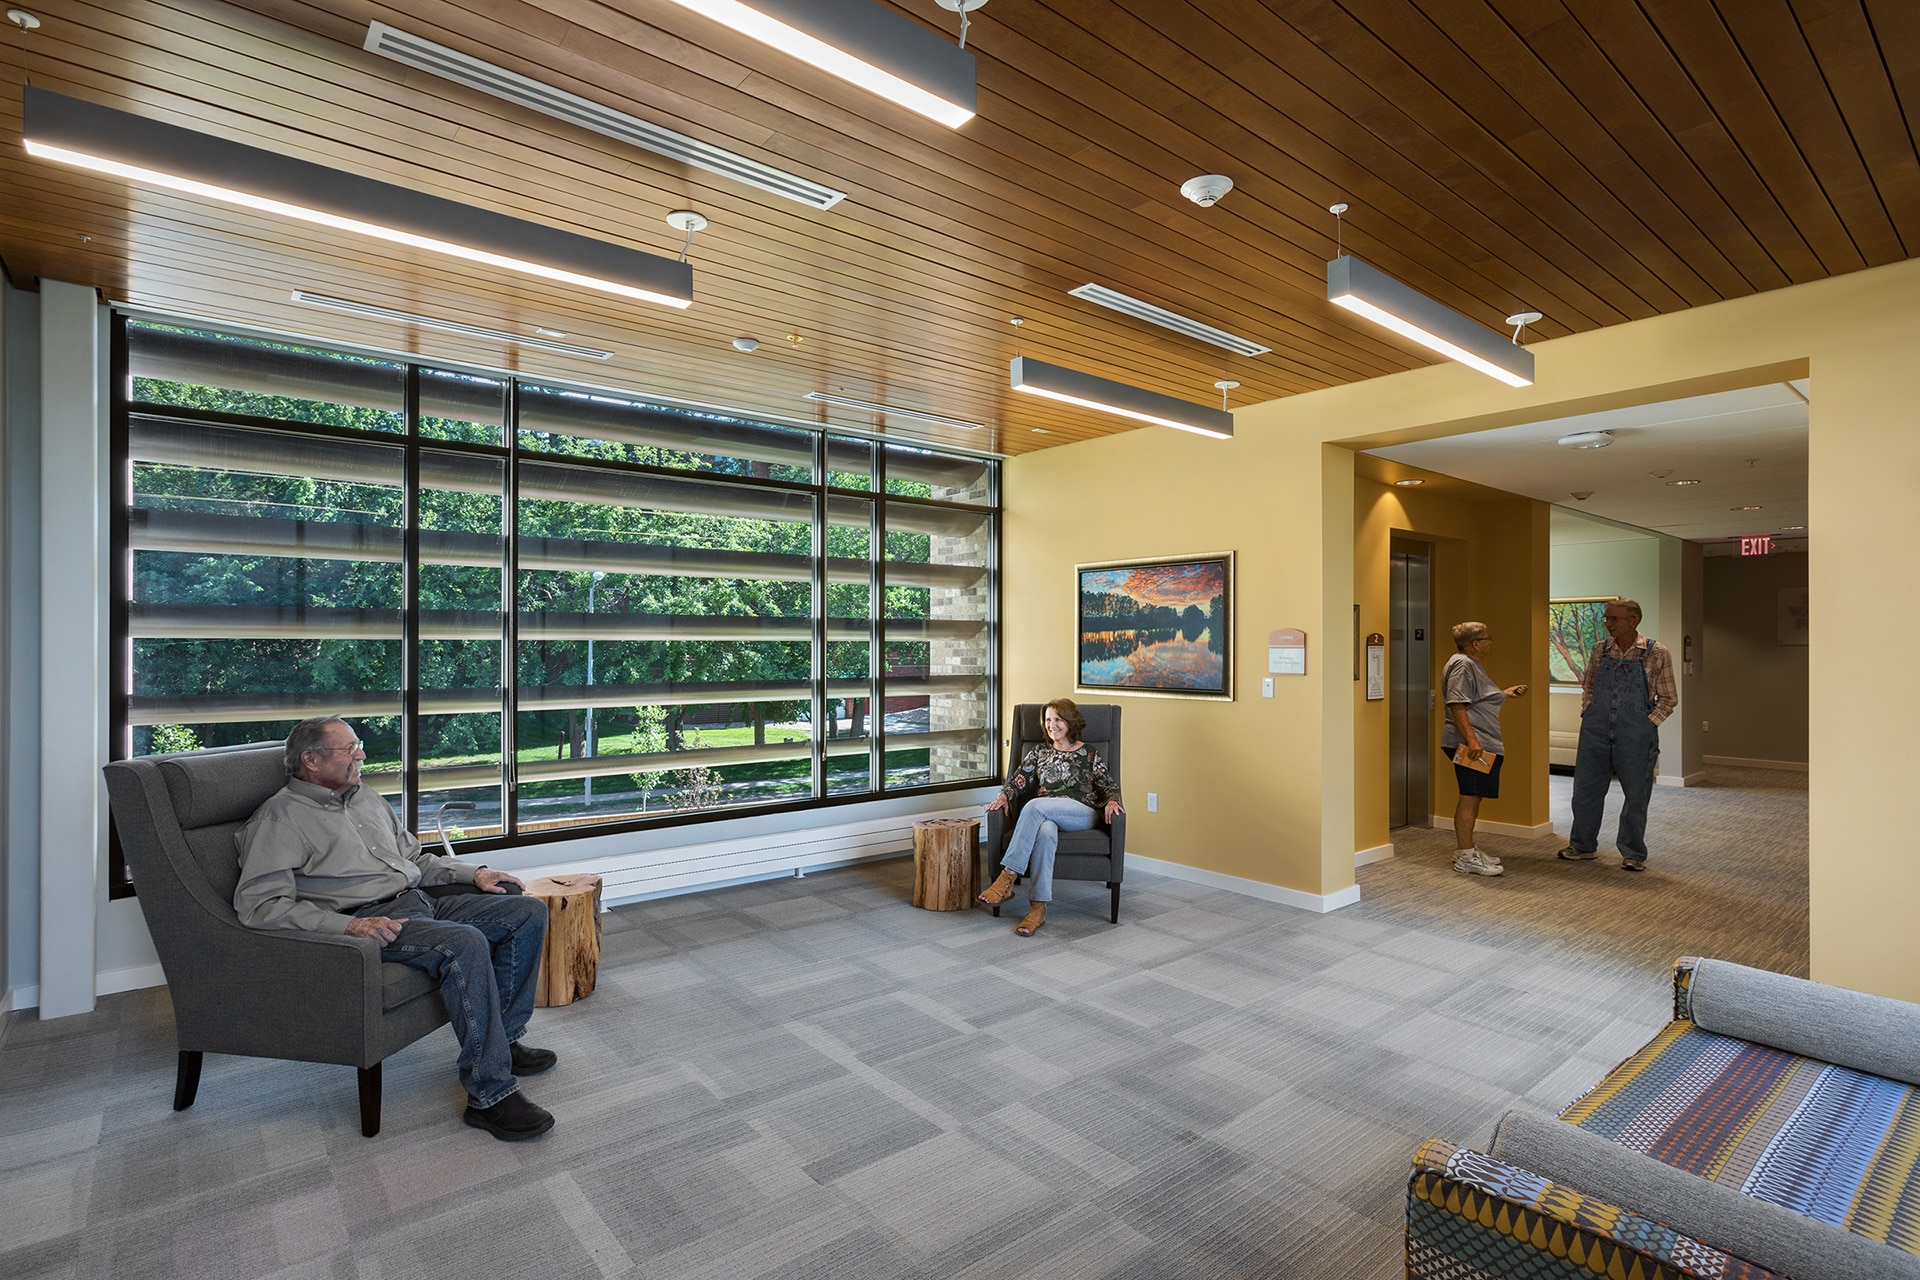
(1771, 1129)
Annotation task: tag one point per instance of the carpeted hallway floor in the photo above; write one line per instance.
(810, 1078)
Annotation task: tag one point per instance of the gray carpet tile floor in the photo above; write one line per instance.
(807, 1078)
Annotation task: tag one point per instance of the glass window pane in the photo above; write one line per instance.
(849, 463)
(266, 587)
(462, 510)
(938, 722)
(849, 657)
(948, 477)
(665, 638)
(616, 428)
(195, 369)
(462, 406)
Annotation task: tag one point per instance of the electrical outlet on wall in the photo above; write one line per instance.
(1153, 802)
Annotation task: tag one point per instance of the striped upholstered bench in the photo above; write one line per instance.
(1771, 1129)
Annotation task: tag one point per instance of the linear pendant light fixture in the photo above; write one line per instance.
(865, 44)
(55, 127)
(1369, 292)
(450, 64)
(1089, 392)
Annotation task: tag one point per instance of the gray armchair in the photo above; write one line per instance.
(308, 997)
(1098, 854)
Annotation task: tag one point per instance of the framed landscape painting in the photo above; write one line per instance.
(1159, 627)
(1573, 628)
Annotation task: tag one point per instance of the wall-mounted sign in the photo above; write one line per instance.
(1376, 667)
(1760, 545)
(1287, 652)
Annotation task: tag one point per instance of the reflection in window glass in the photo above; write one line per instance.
(937, 723)
(612, 428)
(191, 369)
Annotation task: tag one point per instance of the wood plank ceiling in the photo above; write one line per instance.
(1594, 160)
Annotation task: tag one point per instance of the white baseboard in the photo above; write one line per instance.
(1794, 766)
(1365, 857)
(1680, 779)
(1320, 903)
(687, 868)
(1445, 823)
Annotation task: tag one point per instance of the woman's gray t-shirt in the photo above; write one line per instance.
(1466, 681)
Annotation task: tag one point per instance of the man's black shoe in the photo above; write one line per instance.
(512, 1119)
(529, 1061)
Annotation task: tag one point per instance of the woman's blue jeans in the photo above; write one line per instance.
(1037, 835)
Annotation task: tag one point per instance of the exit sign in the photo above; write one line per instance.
(1760, 546)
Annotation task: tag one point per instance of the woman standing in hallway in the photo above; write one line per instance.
(1472, 739)
(1066, 782)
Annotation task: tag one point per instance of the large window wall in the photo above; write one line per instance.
(632, 613)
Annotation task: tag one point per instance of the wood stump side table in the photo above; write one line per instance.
(570, 963)
(946, 863)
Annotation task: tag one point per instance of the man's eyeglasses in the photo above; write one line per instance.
(355, 745)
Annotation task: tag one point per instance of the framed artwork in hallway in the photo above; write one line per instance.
(1161, 627)
(1573, 628)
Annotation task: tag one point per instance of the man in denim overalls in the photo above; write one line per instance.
(1626, 691)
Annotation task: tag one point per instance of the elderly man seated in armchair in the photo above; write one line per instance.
(328, 855)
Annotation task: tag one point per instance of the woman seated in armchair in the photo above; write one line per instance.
(1064, 783)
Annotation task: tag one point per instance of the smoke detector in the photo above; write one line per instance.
(746, 344)
(1206, 189)
(1581, 495)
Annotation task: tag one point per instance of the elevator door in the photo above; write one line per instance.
(1409, 697)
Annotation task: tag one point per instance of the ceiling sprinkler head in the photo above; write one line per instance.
(1206, 189)
(746, 344)
(1587, 440)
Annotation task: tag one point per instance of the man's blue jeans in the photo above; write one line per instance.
(1037, 835)
(484, 950)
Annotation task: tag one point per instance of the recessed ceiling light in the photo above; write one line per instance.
(892, 411)
(1407, 484)
(1743, 508)
(1041, 431)
(1681, 484)
(548, 333)
(1587, 440)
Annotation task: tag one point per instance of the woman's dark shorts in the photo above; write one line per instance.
(1475, 783)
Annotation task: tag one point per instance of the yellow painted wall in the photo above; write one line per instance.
(1247, 785)
(1489, 565)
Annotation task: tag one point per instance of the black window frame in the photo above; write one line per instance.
(123, 409)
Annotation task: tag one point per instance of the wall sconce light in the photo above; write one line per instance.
(875, 48)
(1089, 392)
(1369, 292)
(105, 140)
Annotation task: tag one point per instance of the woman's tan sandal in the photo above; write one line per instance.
(1031, 922)
(1000, 890)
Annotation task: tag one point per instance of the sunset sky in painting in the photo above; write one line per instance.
(1176, 585)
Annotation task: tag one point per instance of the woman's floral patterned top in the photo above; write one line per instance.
(1079, 774)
